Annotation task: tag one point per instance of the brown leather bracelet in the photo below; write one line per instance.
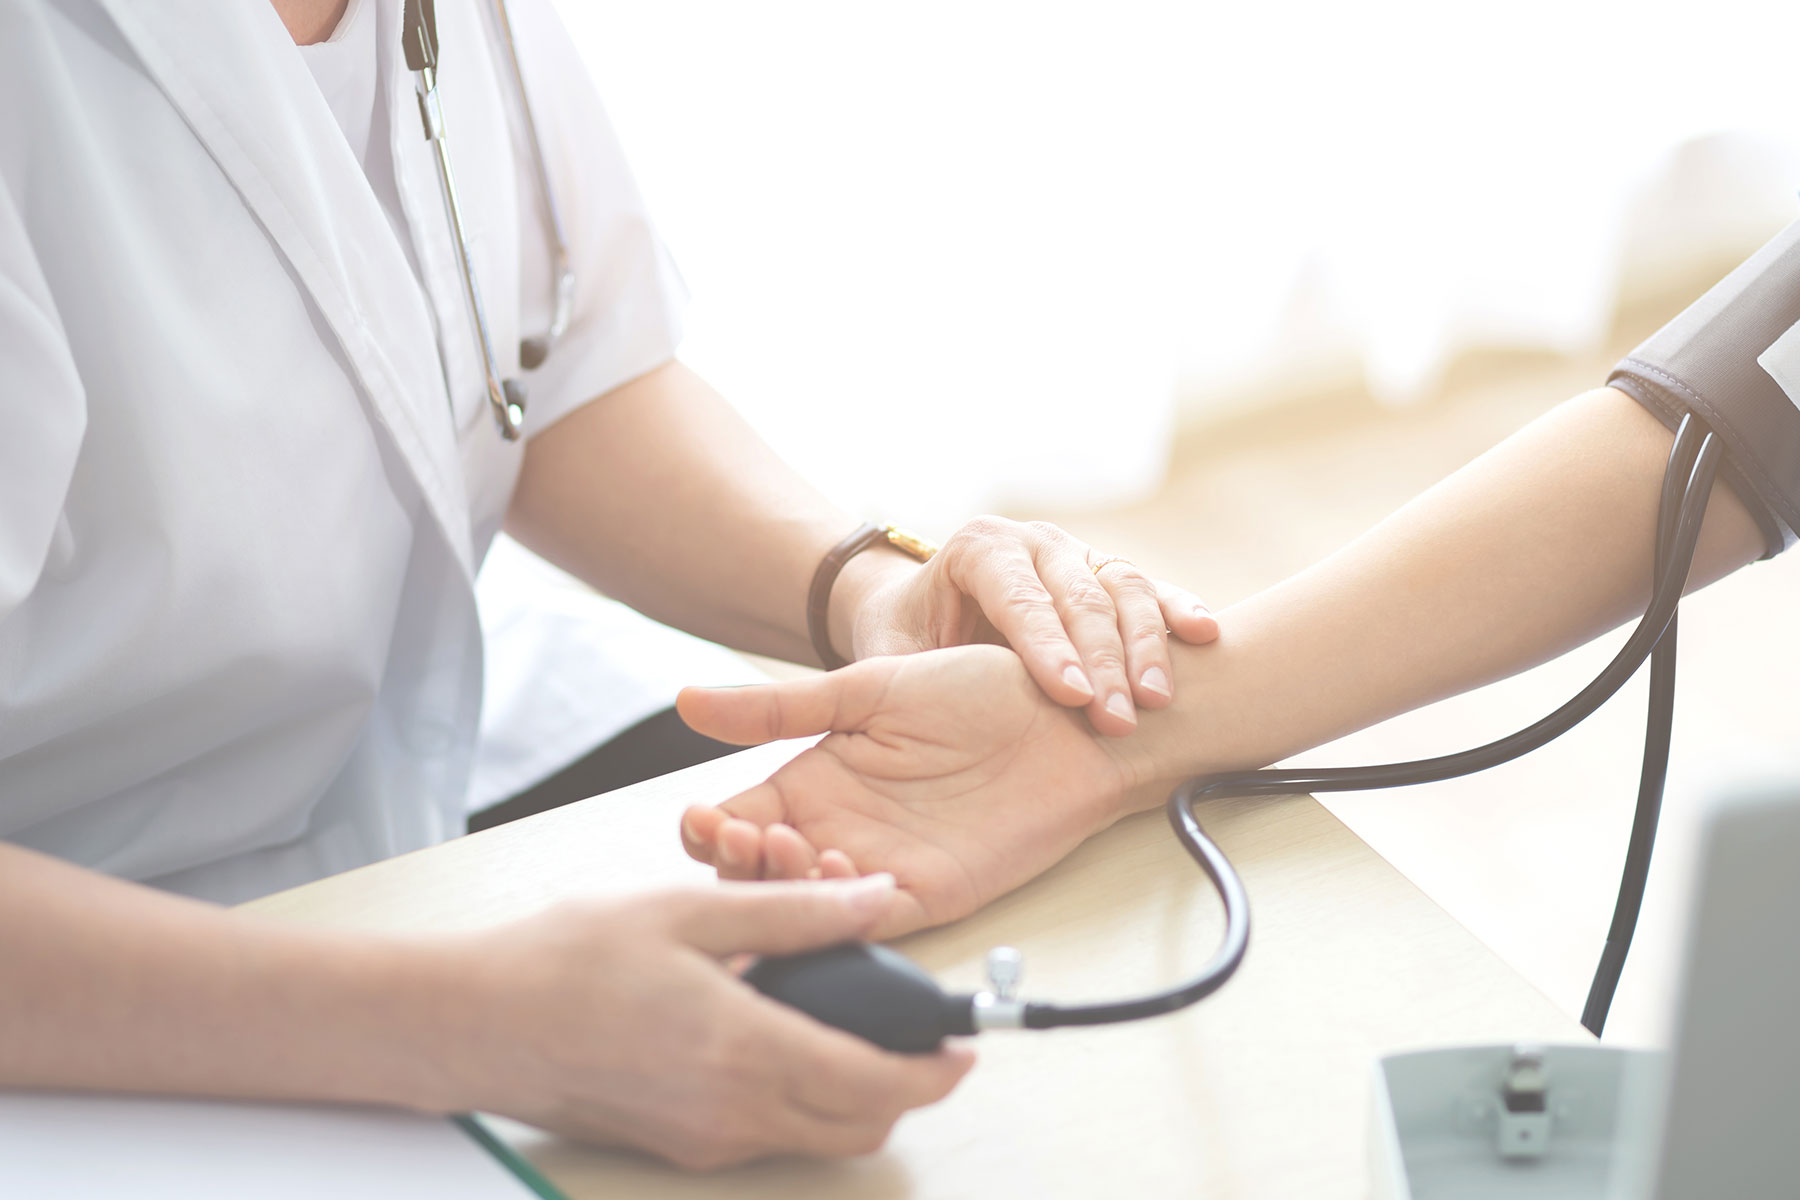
(818, 597)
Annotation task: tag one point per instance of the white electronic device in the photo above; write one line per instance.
(1716, 1116)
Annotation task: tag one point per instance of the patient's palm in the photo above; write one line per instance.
(952, 771)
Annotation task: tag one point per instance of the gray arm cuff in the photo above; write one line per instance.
(1705, 362)
(1629, 377)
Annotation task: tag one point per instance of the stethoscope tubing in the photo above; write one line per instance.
(505, 396)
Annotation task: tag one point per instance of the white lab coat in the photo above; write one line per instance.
(568, 669)
(243, 496)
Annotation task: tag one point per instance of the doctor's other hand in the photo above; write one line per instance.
(950, 770)
(621, 1022)
(1091, 639)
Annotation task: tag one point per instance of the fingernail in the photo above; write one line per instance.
(727, 857)
(1200, 610)
(1119, 706)
(687, 827)
(1155, 680)
(1076, 678)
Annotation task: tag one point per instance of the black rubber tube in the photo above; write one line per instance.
(1687, 486)
(1212, 976)
(1659, 730)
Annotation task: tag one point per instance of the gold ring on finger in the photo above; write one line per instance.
(1109, 560)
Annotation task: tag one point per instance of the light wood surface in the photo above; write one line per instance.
(1260, 1091)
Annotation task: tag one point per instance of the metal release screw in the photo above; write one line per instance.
(1005, 966)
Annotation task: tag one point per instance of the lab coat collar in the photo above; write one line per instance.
(231, 71)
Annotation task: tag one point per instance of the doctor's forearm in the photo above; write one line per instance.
(1538, 546)
(110, 986)
(660, 495)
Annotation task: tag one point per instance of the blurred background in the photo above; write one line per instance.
(1217, 287)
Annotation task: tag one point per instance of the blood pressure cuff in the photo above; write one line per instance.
(1733, 360)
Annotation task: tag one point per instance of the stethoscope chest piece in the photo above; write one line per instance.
(511, 411)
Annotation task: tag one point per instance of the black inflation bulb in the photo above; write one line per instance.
(874, 992)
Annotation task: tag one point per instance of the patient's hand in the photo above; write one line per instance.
(951, 769)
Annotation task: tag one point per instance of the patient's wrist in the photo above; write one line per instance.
(1153, 760)
(1153, 765)
(1200, 733)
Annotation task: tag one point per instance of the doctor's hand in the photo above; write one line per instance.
(621, 1022)
(951, 770)
(1091, 639)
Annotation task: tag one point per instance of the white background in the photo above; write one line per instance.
(952, 256)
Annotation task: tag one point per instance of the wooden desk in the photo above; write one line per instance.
(1260, 1091)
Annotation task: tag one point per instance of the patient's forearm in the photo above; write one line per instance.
(1541, 544)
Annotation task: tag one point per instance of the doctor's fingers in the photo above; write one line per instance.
(765, 1079)
(1032, 583)
(822, 1091)
(788, 855)
(1186, 614)
(1142, 628)
(1102, 624)
(841, 1078)
(776, 918)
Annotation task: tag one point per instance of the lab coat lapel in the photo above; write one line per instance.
(231, 72)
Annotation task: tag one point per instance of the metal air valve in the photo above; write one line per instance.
(882, 995)
(999, 1007)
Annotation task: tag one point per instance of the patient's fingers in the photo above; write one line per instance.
(835, 864)
(1185, 614)
(739, 850)
(761, 806)
(787, 855)
(782, 852)
(745, 716)
(700, 832)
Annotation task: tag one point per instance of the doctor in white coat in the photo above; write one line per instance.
(248, 471)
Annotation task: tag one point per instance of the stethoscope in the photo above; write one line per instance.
(506, 397)
(883, 996)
